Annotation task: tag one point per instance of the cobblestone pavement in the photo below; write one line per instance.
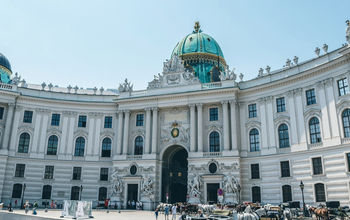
(98, 214)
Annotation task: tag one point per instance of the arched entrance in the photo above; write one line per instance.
(174, 174)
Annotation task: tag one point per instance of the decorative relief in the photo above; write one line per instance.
(174, 74)
(54, 131)
(183, 134)
(147, 187)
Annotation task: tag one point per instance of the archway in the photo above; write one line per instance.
(174, 174)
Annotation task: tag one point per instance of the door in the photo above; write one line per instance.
(132, 195)
(212, 192)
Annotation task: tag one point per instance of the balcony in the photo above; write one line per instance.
(134, 157)
(212, 154)
(211, 85)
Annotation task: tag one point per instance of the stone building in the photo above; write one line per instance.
(196, 128)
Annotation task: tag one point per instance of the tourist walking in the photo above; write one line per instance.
(166, 212)
(26, 207)
(173, 212)
(156, 213)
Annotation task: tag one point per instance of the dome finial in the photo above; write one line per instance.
(197, 27)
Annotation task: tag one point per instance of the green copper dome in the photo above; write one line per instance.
(201, 53)
(5, 69)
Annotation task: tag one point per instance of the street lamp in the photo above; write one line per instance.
(81, 191)
(24, 188)
(302, 194)
(239, 193)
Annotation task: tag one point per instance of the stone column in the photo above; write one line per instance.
(126, 132)
(192, 128)
(148, 131)
(8, 126)
(293, 132)
(263, 117)
(332, 108)
(300, 116)
(120, 132)
(234, 141)
(226, 125)
(154, 130)
(200, 127)
(324, 111)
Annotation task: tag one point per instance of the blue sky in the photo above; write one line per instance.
(100, 43)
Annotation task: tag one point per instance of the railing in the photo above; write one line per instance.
(345, 140)
(6, 86)
(134, 157)
(316, 145)
(212, 154)
(211, 85)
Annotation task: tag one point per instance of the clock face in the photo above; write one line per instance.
(175, 132)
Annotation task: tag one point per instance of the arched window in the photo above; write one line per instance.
(138, 146)
(17, 191)
(320, 192)
(254, 140)
(52, 145)
(283, 136)
(102, 193)
(346, 122)
(214, 142)
(79, 147)
(256, 195)
(23, 144)
(46, 192)
(106, 147)
(287, 193)
(75, 193)
(315, 133)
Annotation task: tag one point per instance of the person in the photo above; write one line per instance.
(26, 207)
(173, 212)
(9, 207)
(200, 214)
(183, 216)
(129, 204)
(133, 204)
(16, 203)
(156, 213)
(166, 212)
(52, 204)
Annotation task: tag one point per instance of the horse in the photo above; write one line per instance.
(320, 213)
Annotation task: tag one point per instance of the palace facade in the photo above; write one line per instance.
(196, 128)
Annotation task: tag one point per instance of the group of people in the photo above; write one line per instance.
(172, 209)
(138, 205)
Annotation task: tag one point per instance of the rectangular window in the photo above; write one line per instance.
(317, 165)
(82, 121)
(252, 110)
(213, 114)
(104, 174)
(255, 171)
(108, 122)
(76, 173)
(139, 120)
(1, 113)
(348, 160)
(285, 171)
(310, 97)
(281, 105)
(28, 116)
(343, 87)
(55, 119)
(20, 168)
(48, 172)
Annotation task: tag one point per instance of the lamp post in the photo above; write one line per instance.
(24, 188)
(239, 193)
(302, 194)
(81, 191)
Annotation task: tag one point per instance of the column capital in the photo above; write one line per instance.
(147, 109)
(297, 91)
(225, 102)
(290, 93)
(199, 105)
(127, 112)
(11, 105)
(328, 82)
(233, 102)
(119, 112)
(192, 105)
(155, 109)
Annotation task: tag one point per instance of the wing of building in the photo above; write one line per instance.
(197, 128)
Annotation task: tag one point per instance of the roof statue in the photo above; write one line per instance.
(348, 31)
(125, 87)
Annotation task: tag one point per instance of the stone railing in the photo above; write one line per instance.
(320, 144)
(212, 154)
(211, 85)
(6, 86)
(345, 140)
(134, 157)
